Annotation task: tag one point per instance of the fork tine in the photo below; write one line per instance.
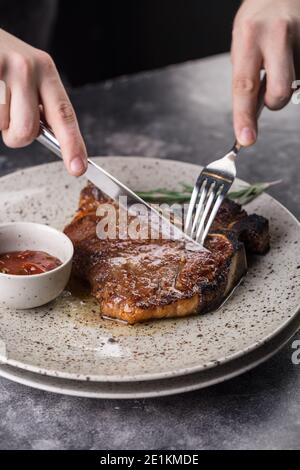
(203, 194)
(210, 199)
(191, 208)
(218, 202)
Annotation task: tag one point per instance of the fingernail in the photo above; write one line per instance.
(77, 166)
(247, 136)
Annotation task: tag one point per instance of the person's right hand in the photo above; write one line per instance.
(266, 35)
(32, 81)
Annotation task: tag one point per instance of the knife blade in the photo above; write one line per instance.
(116, 190)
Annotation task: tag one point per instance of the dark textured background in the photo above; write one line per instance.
(95, 40)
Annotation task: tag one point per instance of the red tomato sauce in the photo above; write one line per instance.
(27, 263)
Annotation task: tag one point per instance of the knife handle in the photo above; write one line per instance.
(48, 139)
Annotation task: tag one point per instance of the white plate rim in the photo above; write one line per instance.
(234, 368)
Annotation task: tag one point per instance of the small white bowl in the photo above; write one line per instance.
(23, 292)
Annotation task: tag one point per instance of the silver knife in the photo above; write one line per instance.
(113, 188)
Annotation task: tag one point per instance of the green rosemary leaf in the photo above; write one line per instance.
(243, 195)
(249, 193)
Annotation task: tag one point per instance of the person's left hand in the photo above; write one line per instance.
(266, 34)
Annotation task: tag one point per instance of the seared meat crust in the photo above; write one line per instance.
(138, 280)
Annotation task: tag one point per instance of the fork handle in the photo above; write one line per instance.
(260, 106)
(261, 95)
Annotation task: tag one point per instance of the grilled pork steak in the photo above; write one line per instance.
(138, 280)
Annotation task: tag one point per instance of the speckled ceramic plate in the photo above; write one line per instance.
(68, 339)
(154, 388)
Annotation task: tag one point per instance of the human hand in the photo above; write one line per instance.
(266, 34)
(32, 81)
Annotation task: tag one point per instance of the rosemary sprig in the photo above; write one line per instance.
(162, 196)
(243, 196)
(249, 193)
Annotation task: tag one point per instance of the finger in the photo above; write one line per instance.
(247, 61)
(24, 118)
(60, 115)
(24, 113)
(280, 69)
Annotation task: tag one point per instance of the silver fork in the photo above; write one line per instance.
(213, 184)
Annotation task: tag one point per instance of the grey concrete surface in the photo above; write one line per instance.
(182, 112)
